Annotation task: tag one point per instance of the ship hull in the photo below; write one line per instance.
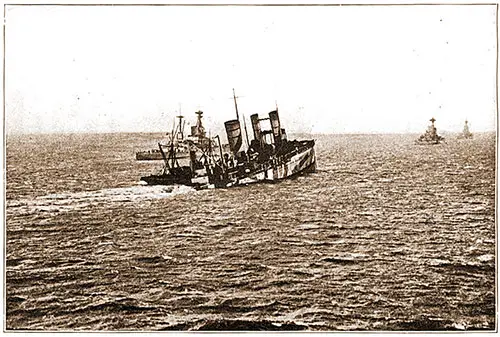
(300, 161)
(434, 142)
(165, 179)
(176, 176)
(430, 141)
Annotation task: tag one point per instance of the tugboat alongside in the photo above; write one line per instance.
(430, 136)
(466, 134)
(269, 157)
(181, 144)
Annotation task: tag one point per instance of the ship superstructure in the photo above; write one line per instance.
(430, 136)
(466, 134)
(179, 140)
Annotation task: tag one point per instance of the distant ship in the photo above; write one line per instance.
(269, 157)
(181, 144)
(430, 136)
(466, 134)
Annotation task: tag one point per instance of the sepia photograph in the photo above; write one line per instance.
(250, 167)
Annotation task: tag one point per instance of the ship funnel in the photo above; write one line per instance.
(275, 126)
(257, 135)
(234, 138)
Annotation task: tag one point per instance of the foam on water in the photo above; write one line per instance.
(65, 202)
(486, 257)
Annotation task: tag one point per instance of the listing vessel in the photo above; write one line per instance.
(269, 157)
(178, 140)
(466, 134)
(430, 136)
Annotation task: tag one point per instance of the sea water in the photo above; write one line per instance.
(386, 235)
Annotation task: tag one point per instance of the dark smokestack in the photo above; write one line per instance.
(234, 138)
(275, 126)
(256, 127)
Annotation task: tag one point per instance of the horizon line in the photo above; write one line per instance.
(290, 133)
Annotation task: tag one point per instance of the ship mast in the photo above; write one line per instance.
(246, 132)
(236, 105)
(181, 127)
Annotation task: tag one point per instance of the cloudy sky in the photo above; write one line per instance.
(331, 69)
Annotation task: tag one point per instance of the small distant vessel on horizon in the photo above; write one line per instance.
(430, 137)
(466, 134)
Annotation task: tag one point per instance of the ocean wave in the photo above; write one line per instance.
(236, 325)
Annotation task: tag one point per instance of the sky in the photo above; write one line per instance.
(330, 69)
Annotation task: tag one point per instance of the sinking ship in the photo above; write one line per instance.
(178, 140)
(466, 134)
(430, 136)
(269, 157)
